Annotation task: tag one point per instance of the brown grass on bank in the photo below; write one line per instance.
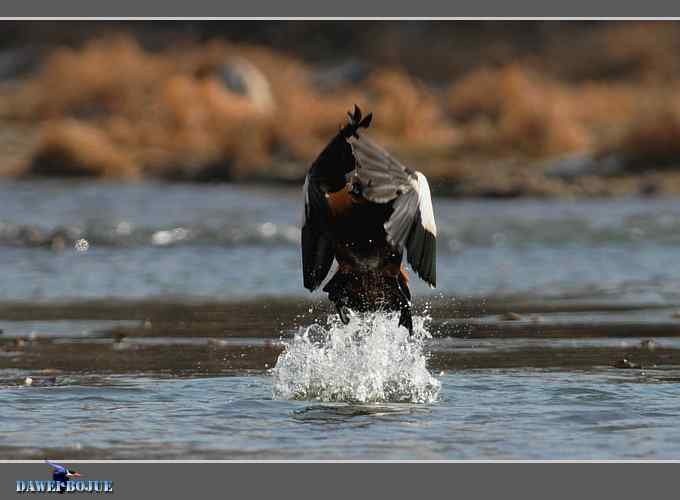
(407, 110)
(302, 120)
(111, 108)
(108, 76)
(171, 113)
(653, 137)
(146, 105)
(69, 147)
(645, 51)
(511, 109)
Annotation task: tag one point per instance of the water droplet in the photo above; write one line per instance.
(166, 237)
(124, 228)
(82, 245)
(372, 359)
(268, 229)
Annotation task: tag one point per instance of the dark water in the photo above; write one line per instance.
(144, 321)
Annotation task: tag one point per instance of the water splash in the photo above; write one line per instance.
(371, 359)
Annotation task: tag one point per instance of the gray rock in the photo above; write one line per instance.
(242, 77)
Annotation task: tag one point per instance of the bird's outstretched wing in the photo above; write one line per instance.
(411, 224)
(317, 243)
(382, 177)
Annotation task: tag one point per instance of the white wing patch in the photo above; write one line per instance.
(425, 205)
(331, 273)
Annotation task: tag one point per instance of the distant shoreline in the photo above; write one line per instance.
(496, 110)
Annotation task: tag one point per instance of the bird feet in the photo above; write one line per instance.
(344, 313)
(406, 320)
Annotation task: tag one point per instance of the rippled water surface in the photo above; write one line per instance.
(169, 321)
(499, 414)
(225, 241)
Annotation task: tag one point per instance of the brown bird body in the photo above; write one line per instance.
(365, 210)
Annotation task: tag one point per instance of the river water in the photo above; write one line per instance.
(169, 321)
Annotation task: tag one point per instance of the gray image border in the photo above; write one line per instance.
(465, 480)
(345, 8)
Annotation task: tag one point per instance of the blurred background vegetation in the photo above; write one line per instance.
(484, 108)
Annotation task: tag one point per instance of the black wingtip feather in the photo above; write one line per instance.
(422, 255)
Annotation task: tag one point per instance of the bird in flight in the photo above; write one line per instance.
(364, 210)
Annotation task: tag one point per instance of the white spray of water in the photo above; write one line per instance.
(371, 359)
